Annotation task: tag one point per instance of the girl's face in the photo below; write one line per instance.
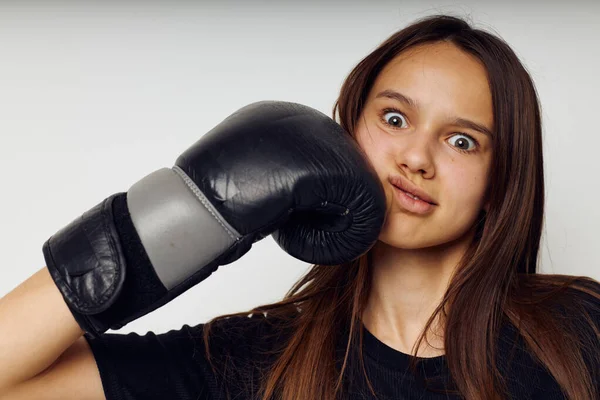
(425, 120)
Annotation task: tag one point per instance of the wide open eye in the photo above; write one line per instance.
(394, 118)
(462, 143)
(397, 120)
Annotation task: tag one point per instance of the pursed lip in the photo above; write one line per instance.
(406, 185)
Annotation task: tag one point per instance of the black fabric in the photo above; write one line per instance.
(173, 365)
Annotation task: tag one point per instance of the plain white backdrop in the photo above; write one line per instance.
(96, 95)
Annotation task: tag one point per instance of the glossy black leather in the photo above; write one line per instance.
(286, 169)
(270, 168)
(86, 261)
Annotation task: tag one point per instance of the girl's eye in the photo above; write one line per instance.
(462, 142)
(394, 118)
(397, 120)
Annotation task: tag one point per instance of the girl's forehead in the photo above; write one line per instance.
(434, 60)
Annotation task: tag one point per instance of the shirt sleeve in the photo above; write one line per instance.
(164, 366)
(174, 365)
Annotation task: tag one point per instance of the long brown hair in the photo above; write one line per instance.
(497, 272)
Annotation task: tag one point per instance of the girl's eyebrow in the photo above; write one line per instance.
(392, 94)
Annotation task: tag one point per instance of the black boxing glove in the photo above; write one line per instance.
(270, 168)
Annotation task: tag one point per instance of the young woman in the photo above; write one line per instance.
(445, 304)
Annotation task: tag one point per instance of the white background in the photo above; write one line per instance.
(95, 95)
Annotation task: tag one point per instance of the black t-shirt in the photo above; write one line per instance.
(173, 365)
